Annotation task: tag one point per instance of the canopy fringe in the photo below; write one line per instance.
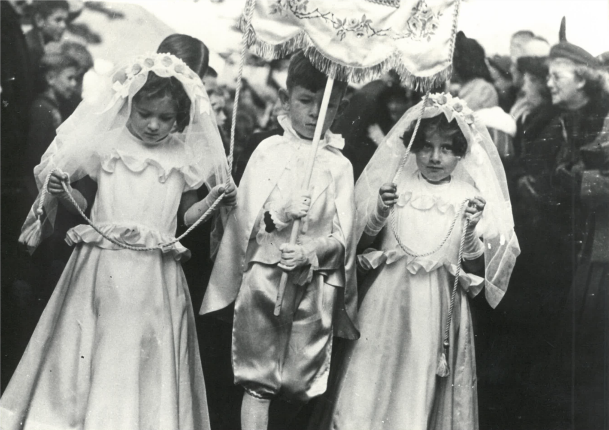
(340, 71)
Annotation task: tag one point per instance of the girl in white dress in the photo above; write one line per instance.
(116, 346)
(407, 371)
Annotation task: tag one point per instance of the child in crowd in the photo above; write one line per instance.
(116, 347)
(288, 355)
(60, 75)
(414, 365)
(49, 23)
(83, 57)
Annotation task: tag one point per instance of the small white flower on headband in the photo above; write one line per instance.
(451, 106)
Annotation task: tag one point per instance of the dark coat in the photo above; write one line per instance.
(16, 93)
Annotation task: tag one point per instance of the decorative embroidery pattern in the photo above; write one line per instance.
(392, 3)
(421, 25)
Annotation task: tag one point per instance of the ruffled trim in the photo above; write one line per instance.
(426, 202)
(132, 235)
(191, 173)
(372, 259)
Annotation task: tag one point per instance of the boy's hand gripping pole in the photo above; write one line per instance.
(306, 183)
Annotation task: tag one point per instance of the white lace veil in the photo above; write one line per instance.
(481, 166)
(90, 133)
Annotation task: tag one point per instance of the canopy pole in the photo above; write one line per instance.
(306, 183)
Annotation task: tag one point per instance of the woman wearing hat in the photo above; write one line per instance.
(554, 164)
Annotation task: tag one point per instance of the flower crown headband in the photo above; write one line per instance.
(130, 79)
(451, 107)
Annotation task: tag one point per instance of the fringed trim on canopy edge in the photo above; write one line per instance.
(344, 72)
(339, 71)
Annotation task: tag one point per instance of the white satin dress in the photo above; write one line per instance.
(116, 347)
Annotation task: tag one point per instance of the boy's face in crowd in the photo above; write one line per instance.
(64, 83)
(210, 83)
(563, 82)
(53, 26)
(303, 106)
(436, 159)
(151, 120)
(217, 104)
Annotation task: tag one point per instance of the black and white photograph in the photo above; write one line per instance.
(304, 215)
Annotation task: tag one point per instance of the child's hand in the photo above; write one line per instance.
(298, 206)
(292, 257)
(473, 212)
(388, 194)
(230, 194)
(55, 186)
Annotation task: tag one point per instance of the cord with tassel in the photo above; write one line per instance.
(443, 369)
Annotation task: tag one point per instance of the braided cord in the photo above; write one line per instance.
(160, 246)
(416, 130)
(249, 11)
(393, 215)
(426, 254)
(445, 342)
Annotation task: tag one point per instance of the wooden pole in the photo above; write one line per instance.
(306, 183)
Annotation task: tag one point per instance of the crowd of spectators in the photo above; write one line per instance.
(546, 106)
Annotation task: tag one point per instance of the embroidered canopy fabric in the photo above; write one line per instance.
(358, 40)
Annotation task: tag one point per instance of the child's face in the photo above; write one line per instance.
(436, 160)
(64, 83)
(151, 120)
(303, 108)
(54, 25)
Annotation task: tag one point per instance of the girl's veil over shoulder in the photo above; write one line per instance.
(481, 167)
(90, 134)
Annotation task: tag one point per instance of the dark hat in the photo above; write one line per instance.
(502, 63)
(570, 51)
(574, 53)
(469, 59)
(536, 66)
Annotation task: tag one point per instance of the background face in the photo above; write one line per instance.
(54, 25)
(563, 83)
(65, 82)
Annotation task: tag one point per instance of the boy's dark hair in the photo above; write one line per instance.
(45, 8)
(211, 72)
(80, 53)
(56, 62)
(188, 49)
(445, 128)
(303, 74)
(157, 87)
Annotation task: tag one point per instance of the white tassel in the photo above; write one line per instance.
(443, 370)
(31, 236)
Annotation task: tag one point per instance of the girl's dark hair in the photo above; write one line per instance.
(445, 128)
(188, 49)
(157, 88)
